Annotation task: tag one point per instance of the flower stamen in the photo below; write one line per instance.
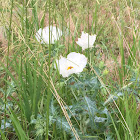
(70, 67)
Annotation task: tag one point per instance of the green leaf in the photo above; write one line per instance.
(117, 133)
(3, 136)
(91, 105)
(20, 132)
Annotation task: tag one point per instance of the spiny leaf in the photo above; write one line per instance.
(91, 106)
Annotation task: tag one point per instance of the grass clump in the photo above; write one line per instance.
(101, 102)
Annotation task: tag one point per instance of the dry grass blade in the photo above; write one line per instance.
(112, 98)
(126, 44)
(58, 98)
(56, 95)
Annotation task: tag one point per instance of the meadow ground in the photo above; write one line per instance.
(48, 92)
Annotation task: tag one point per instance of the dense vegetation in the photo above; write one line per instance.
(101, 101)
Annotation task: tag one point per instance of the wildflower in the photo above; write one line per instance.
(86, 41)
(42, 35)
(74, 63)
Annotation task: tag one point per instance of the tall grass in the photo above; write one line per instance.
(100, 103)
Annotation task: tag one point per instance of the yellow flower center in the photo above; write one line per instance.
(70, 67)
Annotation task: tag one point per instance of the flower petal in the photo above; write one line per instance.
(86, 41)
(74, 63)
(42, 35)
(39, 35)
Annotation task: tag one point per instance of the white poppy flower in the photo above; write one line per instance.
(74, 63)
(84, 42)
(42, 35)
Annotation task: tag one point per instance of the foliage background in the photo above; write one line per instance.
(100, 103)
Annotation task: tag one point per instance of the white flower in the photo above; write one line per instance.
(74, 63)
(42, 35)
(86, 41)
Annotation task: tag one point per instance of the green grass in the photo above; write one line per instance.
(99, 103)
